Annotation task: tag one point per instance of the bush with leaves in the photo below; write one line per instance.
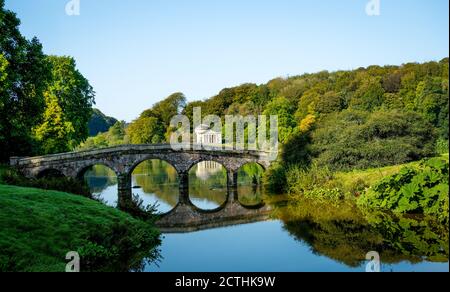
(63, 184)
(360, 140)
(275, 179)
(422, 190)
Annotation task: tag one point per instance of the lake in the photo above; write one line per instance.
(259, 232)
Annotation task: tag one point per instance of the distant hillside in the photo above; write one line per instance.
(344, 120)
(100, 123)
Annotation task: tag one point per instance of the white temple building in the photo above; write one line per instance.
(205, 136)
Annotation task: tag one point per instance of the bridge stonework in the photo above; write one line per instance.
(125, 158)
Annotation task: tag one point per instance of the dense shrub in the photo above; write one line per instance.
(275, 179)
(442, 146)
(137, 209)
(297, 149)
(64, 184)
(302, 180)
(422, 190)
(360, 140)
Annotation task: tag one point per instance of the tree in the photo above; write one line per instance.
(75, 96)
(116, 135)
(189, 109)
(286, 121)
(358, 139)
(432, 102)
(369, 96)
(53, 132)
(330, 102)
(146, 131)
(25, 73)
(168, 108)
(3, 73)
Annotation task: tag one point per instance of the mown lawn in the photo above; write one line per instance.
(38, 228)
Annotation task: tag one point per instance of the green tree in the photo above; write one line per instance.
(169, 107)
(75, 96)
(3, 73)
(369, 96)
(432, 102)
(286, 121)
(357, 139)
(53, 132)
(146, 131)
(25, 73)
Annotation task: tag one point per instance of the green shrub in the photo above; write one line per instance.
(315, 183)
(137, 209)
(360, 140)
(63, 184)
(302, 180)
(275, 179)
(422, 190)
(442, 146)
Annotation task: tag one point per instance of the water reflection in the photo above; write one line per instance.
(156, 182)
(274, 236)
(208, 185)
(103, 184)
(344, 233)
(250, 191)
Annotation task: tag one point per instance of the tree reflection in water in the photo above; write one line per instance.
(345, 234)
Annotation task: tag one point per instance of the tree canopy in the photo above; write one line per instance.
(45, 102)
(24, 73)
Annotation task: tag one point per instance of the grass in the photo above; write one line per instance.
(38, 228)
(357, 179)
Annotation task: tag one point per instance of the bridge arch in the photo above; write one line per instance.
(249, 164)
(218, 160)
(258, 163)
(80, 171)
(156, 181)
(141, 160)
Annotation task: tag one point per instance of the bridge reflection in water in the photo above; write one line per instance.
(186, 217)
(208, 202)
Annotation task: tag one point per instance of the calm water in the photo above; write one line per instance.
(284, 237)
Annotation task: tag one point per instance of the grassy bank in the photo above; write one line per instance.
(354, 179)
(419, 188)
(38, 228)
(316, 180)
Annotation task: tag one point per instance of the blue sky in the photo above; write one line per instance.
(137, 52)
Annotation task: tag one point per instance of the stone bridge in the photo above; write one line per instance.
(125, 158)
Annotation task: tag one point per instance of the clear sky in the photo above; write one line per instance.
(136, 52)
